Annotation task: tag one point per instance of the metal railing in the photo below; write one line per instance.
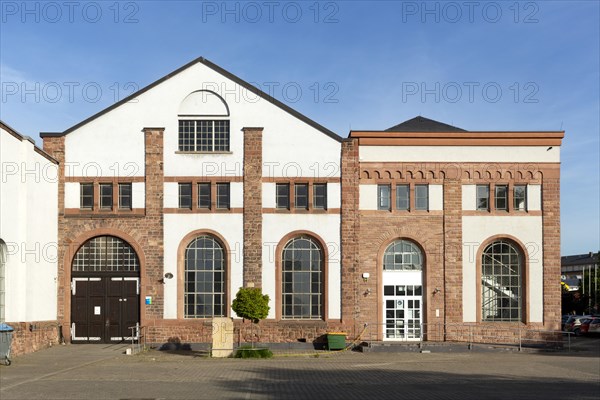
(138, 338)
(470, 333)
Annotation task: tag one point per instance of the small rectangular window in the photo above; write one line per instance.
(320, 195)
(501, 197)
(106, 194)
(86, 196)
(301, 195)
(520, 198)
(125, 196)
(185, 195)
(402, 197)
(282, 195)
(383, 197)
(422, 197)
(483, 197)
(204, 195)
(223, 198)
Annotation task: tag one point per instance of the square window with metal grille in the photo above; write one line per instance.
(185, 195)
(223, 195)
(86, 195)
(383, 197)
(282, 195)
(125, 196)
(204, 135)
(320, 195)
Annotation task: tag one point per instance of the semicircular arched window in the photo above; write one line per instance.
(106, 254)
(204, 293)
(302, 280)
(402, 255)
(501, 282)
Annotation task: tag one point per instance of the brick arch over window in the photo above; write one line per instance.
(491, 249)
(283, 243)
(181, 268)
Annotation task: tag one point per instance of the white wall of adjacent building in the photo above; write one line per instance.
(29, 229)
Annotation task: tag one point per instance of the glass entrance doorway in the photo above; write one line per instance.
(402, 291)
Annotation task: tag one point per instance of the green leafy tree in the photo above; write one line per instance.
(250, 303)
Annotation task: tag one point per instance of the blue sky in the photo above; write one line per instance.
(532, 65)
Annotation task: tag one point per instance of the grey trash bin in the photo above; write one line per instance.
(5, 342)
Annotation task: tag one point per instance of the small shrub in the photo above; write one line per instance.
(250, 303)
(250, 352)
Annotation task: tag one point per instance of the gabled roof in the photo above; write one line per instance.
(20, 137)
(422, 124)
(219, 70)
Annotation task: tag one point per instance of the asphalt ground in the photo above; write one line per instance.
(105, 372)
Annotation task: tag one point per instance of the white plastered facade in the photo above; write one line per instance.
(29, 229)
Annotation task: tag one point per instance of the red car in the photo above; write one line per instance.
(573, 324)
(590, 325)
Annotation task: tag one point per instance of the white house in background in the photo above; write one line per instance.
(28, 240)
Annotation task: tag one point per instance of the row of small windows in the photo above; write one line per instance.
(501, 199)
(204, 198)
(384, 197)
(204, 135)
(300, 193)
(87, 196)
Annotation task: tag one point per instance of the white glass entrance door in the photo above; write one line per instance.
(402, 291)
(402, 308)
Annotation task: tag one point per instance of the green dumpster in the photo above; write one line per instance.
(336, 340)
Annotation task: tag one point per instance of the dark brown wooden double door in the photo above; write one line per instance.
(103, 309)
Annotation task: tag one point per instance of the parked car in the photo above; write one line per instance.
(590, 325)
(573, 324)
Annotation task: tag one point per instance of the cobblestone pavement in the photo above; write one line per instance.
(103, 372)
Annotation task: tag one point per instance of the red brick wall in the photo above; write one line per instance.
(28, 337)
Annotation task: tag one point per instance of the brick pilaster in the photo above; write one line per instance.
(551, 251)
(55, 146)
(453, 271)
(154, 237)
(252, 206)
(350, 228)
